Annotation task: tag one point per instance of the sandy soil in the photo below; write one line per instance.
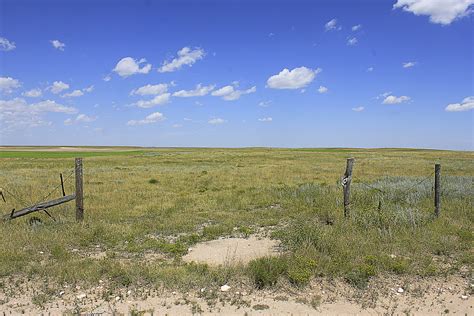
(232, 250)
(429, 296)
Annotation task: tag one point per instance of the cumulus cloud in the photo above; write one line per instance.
(332, 25)
(466, 105)
(199, 91)
(265, 119)
(58, 87)
(73, 94)
(322, 89)
(358, 109)
(107, 78)
(440, 11)
(128, 66)
(370, 69)
(265, 103)
(356, 27)
(391, 99)
(409, 64)
(8, 84)
(230, 93)
(294, 79)
(58, 45)
(150, 119)
(151, 89)
(186, 56)
(216, 121)
(33, 93)
(6, 45)
(352, 41)
(158, 100)
(17, 113)
(81, 118)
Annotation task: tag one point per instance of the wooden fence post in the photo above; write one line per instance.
(437, 201)
(346, 183)
(79, 190)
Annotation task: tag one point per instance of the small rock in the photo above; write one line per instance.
(117, 298)
(75, 250)
(393, 256)
(41, 252)
(225, 288)
(61, 293)
(400, 290)
(129, 292)
(464, 297)
(81, 296)
(78, 287)
(174, 293)
(203, 290)
(100, 281)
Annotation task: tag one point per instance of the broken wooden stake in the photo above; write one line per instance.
(346, 183)
(39, 207)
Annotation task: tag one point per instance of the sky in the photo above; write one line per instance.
(385, 73)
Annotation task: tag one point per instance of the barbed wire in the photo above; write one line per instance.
(56, 187)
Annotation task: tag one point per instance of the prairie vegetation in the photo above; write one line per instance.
(145, 208)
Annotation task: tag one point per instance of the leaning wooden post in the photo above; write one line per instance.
(79, 190)
(346, 183)
(437, 201)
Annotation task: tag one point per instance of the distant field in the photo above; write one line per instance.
(145, 208)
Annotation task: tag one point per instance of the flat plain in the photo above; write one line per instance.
(147, 208)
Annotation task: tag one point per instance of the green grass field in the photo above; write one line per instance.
(162, 201)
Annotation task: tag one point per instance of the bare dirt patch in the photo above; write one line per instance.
(232, 250)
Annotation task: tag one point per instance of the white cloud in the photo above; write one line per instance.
(152, 118)
(358, 109)
(229, 93)
(409, 64)
(294, 79)
(352, 41)
(466, 105)
(440, 11)
(177, 125)
(6, 45)
(73, 94)
(33, 93)
(356, 27)
(81, 118)
(158, 100)
(264, 103)
(322, 89)
(58, 86)
(186, 56)
(58, 45)
(107, 78)
(8, 84)
(128, 66)
(332, 25)
(88, 89)
(199, 91)
(151, 89)
(18, 114)
(391, 99)
(370, 69)
(265, 119)
(216, 121)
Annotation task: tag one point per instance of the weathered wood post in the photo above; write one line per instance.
(346, 183)
(79, 190)
(437, 201)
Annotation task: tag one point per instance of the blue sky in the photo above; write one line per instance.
(391, 73)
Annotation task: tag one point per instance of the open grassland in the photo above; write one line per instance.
(144, 208)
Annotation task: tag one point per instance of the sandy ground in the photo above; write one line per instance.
(232, 250)
(429, 296)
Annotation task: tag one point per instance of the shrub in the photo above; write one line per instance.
(301, 270)
(266, 271)
(152, 181)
